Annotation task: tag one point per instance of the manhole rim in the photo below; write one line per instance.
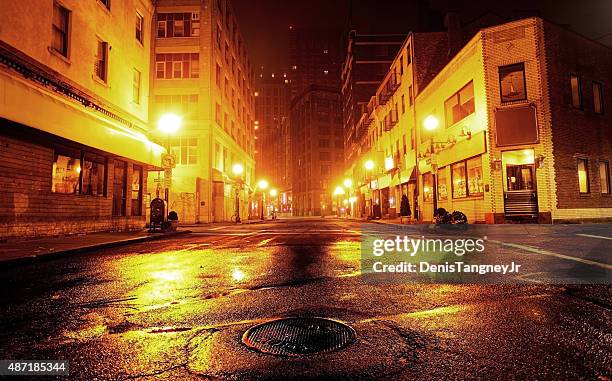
(249, 344)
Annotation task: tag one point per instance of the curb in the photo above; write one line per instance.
(9, 263)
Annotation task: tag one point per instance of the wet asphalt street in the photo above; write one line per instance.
(176, 309)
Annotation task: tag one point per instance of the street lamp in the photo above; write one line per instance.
(263, 185)
(431, 123)
(339, 191)
(348, 184)
(369, 166)
(273, 194)
(237, 171)
(168, 123)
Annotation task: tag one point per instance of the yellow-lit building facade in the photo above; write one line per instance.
(75, 142)
(511, 129)
(201, 72)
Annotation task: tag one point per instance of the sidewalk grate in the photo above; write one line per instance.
(299, 336)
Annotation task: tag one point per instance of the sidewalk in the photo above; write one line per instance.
(30, 250)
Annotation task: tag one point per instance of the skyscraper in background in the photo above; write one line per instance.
(271, 124)
(315, 58)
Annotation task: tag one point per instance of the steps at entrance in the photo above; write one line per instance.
(521, 204)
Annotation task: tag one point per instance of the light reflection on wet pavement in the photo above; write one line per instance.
(176, 309)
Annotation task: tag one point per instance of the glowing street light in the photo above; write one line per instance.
(237, 169)
(338, 191)
(169, 123)
(431, 123)
(273, 192)
(348, 183)
(263, 185)
(369, 165)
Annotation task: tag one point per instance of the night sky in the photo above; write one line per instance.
(265, 23)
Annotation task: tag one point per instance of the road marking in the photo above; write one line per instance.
(594, 236)
(265, 241)
(553, 254)
(217, 228)
(190, 247)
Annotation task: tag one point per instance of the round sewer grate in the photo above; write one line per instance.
(299, 336)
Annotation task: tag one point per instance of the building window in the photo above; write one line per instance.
(139, 27)
(182, 104)
(171, 25)
(460, 104)
(119, 188)
(467, 179)
(604, 176)
(185, 150)
(410, 96)
(61, 17)
(576, 91)
(428, 187)
(136, 87)
(442, 187)
(177, 65)
(598, 100)
(218, 76)
(403, 105)
(106, 3)
(512, 82)
(136, 191)
(101, 63)
(66, 172)
(474, 177)
(93, 175)
(459, 180)
(583, 176)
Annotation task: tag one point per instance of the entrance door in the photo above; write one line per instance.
(519, 177)
(520, 193)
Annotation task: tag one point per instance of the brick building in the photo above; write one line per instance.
(74, 123)
(317, 155)
(513, 127)
(385, 133)
(203, 74)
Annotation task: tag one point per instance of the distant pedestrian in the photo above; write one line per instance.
(404, 209)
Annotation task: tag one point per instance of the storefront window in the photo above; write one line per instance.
(474, 175)
(137, 191)
(459, 180)
(442, 187)
(94, 170)
(427, 187)
(119, 188)
(66, 173)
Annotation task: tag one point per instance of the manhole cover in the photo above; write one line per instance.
(298, 336)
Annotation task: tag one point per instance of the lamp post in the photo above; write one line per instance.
(273, 194)
(237, 171)
(369, 166)
(339, 191)
(169, 124)
(348, 184)
(263, 185)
